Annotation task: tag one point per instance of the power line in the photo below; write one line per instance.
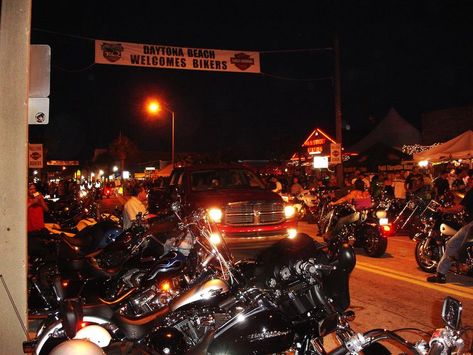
(63, 34)
(295, 79)
(296, 50)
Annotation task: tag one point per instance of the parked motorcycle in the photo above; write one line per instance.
(295, 305)
(432, 240)
(364, 229)
(139, 295)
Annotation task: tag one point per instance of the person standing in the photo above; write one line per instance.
(134, 205)
(277, 185)
(455, 244)
(440, 185)
(399, 187)
(36, 207)
(296, 188)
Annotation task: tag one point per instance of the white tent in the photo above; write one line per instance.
(460, 147)
(393, 131)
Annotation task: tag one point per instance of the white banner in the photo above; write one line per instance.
(335, 153)
(167, 57)
(35, 156)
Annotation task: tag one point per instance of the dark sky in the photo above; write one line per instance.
(415, 56)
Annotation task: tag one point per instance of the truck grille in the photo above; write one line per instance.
(253, 213)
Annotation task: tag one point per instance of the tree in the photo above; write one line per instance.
(122, 148)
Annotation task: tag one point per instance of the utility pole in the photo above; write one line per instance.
(15, 24)
(338, 108)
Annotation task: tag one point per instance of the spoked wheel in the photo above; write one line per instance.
(375, 244)
(428, 255)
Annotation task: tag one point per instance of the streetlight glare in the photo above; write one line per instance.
(153, 107)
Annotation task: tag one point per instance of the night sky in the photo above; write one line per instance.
(415, 56)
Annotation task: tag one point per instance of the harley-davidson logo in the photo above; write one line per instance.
(242, 61)
(112, 51)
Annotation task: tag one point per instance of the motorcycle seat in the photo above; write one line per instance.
(88, 239)
(98, 310)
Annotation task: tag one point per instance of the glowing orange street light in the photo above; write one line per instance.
(153, 107)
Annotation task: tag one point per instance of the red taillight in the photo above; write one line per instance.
(83, 325)
(386, 229)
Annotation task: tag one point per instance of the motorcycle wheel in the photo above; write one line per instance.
(374, 244)
(427, 255)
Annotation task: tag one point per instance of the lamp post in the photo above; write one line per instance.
(154, 107)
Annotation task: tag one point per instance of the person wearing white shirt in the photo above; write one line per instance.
(134, 205)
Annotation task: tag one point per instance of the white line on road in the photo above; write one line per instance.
(398, 275)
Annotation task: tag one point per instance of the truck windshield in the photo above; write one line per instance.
(205, 180)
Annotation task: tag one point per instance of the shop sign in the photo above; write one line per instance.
(35, 156)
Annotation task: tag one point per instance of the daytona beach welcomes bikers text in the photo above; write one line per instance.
(173, 57)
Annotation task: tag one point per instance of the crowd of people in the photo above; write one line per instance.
(401, 185)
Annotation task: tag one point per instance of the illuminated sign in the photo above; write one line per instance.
(320, 162)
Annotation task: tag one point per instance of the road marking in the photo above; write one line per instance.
(398, 275)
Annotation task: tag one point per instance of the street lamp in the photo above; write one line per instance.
(154, 107)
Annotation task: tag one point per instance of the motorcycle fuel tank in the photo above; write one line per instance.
(201, 292)
(257, 330)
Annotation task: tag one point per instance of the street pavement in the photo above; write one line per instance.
(392, 292)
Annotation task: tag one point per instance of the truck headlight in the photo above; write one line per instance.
(289, 211)
(215, 214)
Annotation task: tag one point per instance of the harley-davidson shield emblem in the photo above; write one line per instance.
(112, 51)
(242, 61)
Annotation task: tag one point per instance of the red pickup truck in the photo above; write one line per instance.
(248, 214)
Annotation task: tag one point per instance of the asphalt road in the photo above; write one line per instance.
(391, 292)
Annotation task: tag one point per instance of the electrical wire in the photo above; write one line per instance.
(296, 79)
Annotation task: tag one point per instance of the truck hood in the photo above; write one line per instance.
(220, 198)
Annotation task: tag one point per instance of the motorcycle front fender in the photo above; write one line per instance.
(56, 326)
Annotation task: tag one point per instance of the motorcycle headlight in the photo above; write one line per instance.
(289, 211)
(215, 238)
(215, 214)
(381, 214)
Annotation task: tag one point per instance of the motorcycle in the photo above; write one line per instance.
(296, 304)
(364, 229)
(432, 240)
(305, 204)
(135, 299)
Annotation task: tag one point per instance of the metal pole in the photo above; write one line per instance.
(338, 109)
(172, 139)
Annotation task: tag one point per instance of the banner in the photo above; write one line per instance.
(167, 57)
(35, 156)
(335, 153)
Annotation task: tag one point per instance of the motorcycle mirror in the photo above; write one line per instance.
(72, 315)
(451, 312)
